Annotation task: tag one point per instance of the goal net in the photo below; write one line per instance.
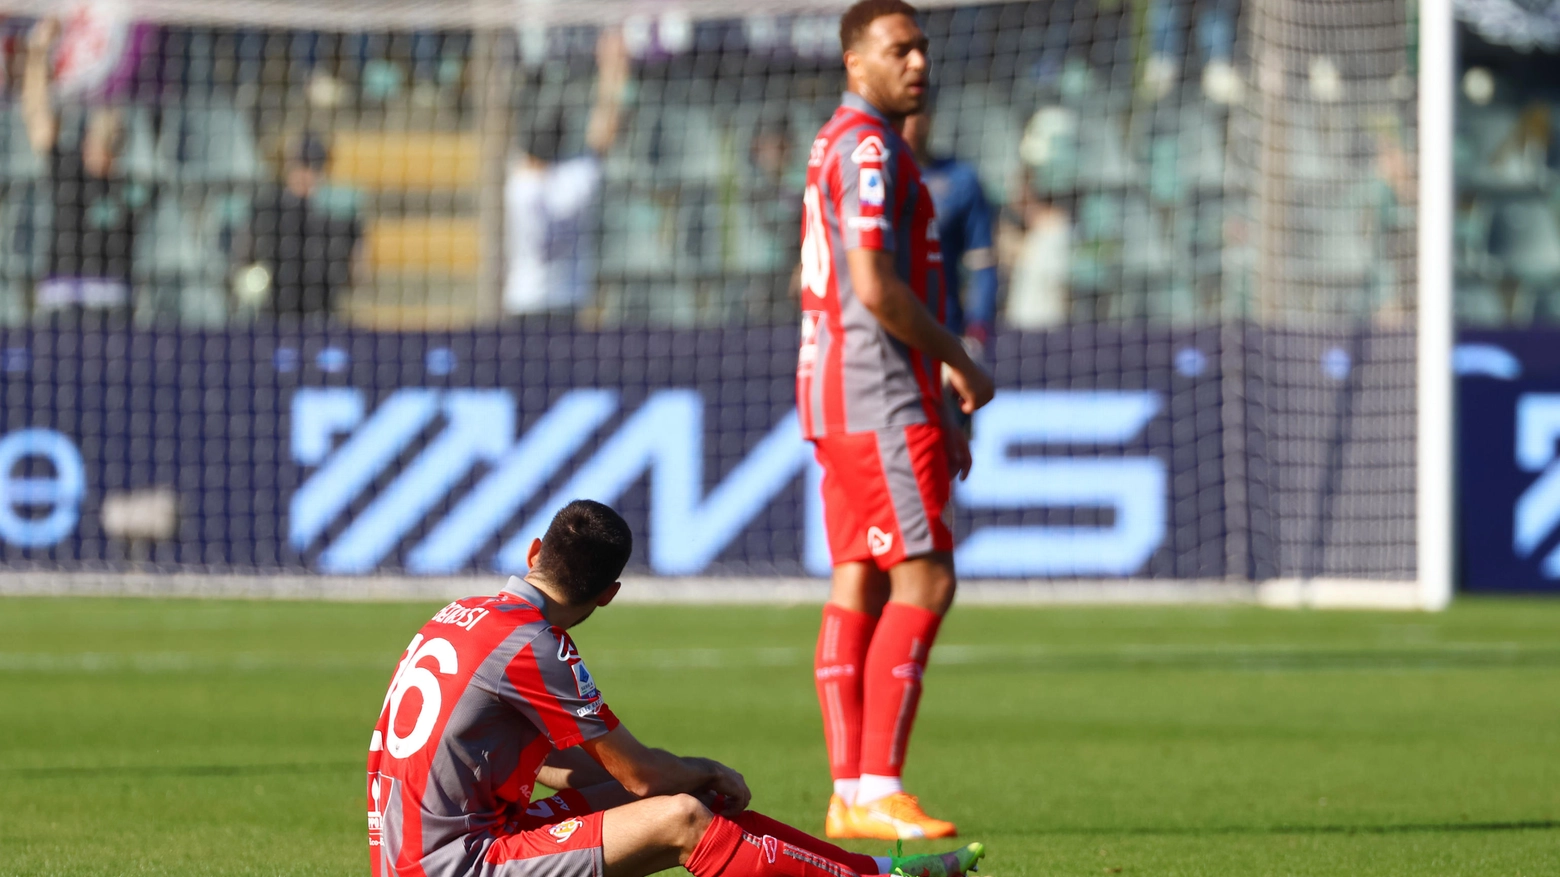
(308, 298)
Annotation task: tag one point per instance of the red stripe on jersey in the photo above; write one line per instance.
(522, 782)
(833, 386)
(561, 728)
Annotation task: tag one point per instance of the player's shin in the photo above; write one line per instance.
(838, 665)
(726, 850)
(895, 662)
(759, 824)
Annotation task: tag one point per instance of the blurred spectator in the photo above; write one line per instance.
(769, 248)
(298, 254)
(964, 225)
(548, 199)
(1039, 260)
(1391, 199)
(1215, 32)
(96, 209)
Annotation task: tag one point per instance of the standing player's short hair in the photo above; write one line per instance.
(584, 551)
(860, 16)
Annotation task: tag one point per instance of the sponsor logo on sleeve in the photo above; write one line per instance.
(565, 829)
(570, 654)
(869, 151)
(868, 223)
(870, 188)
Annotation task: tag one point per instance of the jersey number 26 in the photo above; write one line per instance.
(815, 246)
(409, 676)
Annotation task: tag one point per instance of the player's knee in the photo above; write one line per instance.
(927, 581)
(688, 818)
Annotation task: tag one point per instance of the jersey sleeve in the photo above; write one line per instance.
(548, 683)
(866, 191)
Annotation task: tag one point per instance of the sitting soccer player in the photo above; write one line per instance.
(492, 697)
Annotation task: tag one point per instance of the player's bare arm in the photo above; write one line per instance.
(572, 768)
(881, 291)
(648, 772)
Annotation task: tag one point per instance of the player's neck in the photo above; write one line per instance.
(865, 94)
(557, 612)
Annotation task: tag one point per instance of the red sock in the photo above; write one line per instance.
(759, 824)
(900, 646)
(838, 671)
(728, 851)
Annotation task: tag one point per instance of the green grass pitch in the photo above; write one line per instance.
(228, 737)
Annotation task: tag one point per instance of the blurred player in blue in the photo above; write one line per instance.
(964, 222)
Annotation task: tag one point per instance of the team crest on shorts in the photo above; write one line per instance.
(771, 849)
(565, 829)
(879, 542)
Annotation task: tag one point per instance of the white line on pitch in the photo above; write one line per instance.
(1428, 656)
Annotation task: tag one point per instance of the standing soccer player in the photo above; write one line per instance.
(870, 397)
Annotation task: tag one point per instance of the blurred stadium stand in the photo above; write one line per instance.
(1055, 105)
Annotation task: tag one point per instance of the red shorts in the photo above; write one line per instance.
(885, 493)
(556, 837)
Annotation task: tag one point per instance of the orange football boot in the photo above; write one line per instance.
(839, 824)
(897, 817)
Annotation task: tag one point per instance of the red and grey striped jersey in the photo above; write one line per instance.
(484, 692)
(864, 190)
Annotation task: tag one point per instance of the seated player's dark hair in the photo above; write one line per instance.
(584, 551)
(860, 16)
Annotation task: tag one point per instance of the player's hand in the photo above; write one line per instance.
(957, 445)
(973, 385)
(728, 784)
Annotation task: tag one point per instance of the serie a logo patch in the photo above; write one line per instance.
(870, 188)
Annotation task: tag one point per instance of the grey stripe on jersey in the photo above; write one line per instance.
(570, 863)
(815, 387)
(390, 836)
(879, 386)
(455, 859)
(915, 531)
